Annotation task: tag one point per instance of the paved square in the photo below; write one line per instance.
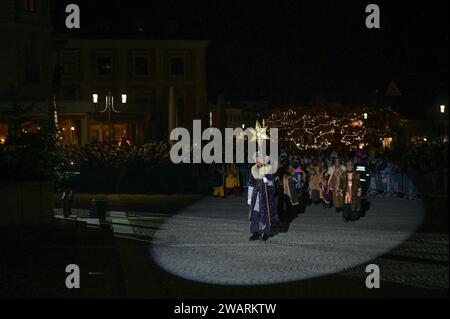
(208, 242)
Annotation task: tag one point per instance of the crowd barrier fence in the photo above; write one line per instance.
(410, 186)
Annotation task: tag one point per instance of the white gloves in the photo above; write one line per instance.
(266, 181)
(249, 195)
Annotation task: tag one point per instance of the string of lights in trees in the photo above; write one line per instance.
(321, 130)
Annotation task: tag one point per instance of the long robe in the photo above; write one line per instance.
(352, 202)
(261, 196)
(323, 183)
(336, 175)
(314, 184)
(291, 189)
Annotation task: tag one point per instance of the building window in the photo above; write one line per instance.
(70, 62)
(26, 5)
(105, 25)
(32, 73)
(140, 25)
(101, 133)
(104, 65)
(30, 5)
(141, 65)
(177, 66)
(32, 76)
(3, 133)
(69, 93)
(70, 131)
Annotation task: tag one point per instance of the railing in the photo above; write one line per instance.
(244, 176)
(409, 186)
(391, 185)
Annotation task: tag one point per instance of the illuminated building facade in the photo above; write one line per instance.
(143, 69)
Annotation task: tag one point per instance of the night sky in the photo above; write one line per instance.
(289, 52)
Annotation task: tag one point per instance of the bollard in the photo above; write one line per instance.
(93, 209)
(101, 211)
(70, 199)
(66, 204)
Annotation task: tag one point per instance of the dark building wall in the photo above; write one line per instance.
(25, 49)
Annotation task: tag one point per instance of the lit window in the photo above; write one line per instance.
(3, 133)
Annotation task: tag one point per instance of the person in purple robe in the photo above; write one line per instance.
(262, 199)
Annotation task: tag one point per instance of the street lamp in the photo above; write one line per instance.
(442, 132)
(365, 116)
(109, 106)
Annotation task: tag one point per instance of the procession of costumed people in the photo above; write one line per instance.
(271, 194)
(326, 179)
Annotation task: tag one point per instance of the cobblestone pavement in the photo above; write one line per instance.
(208, 242)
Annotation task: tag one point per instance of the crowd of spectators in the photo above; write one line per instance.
(432, 158)
(425, 166)
(122, 168)
(151, 158)
(116, 156)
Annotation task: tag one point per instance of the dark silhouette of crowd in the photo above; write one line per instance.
(153, 158)
(118, 156)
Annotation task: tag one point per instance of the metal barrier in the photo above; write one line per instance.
(408, 186)
(245, 174)
(391, 185)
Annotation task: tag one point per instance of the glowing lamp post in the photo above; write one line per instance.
(442, 130)
(109, 106)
